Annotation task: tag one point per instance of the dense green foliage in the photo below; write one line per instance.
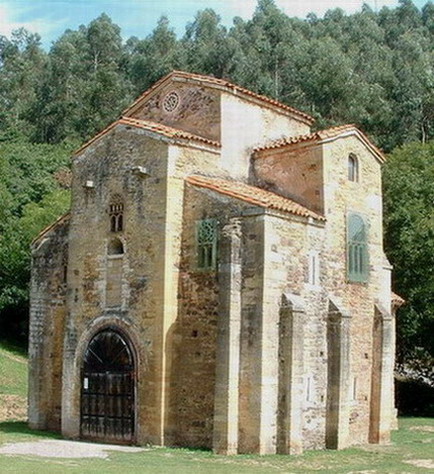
(33, 193)
(375, 69)
(371, 68)
(409, 224)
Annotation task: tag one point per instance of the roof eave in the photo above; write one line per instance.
(318, 140)
(50, 227)
(180, 141)
(307, 215)
(234, 89)
(146, 94)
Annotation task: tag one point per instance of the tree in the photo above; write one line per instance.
(22, 63)
(409, 243)
(206, 44)
(33, 193)
(150, 59)
(85, 83)
(15, 259)
(59, 106)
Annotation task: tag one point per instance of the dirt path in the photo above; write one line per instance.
(13, 407)
(64, 449)
(423, 463)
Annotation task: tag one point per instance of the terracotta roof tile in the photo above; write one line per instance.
(321, 135)
(253, 195)
(213, 81)
(167, 131)
(314, 136)
(154, 127)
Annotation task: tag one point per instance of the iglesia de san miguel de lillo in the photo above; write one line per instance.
(219, 282)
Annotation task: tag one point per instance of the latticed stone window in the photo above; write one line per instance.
(357, 249)
(116, 213)
(206, 238)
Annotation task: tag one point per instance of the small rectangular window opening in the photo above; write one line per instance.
(353, 168)
(309, 389)
(313, 269)
(65, 273)
(354, 390)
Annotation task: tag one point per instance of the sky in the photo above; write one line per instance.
(50, 18)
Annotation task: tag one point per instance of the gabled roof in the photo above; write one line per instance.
(320, 137)
(60, 220)
(175, 134)
(221, 84)
(252, 195)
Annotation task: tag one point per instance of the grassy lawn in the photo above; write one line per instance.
(412, 449)
(13, 383)
(13, 370)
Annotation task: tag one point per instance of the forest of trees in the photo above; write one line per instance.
(374, 69)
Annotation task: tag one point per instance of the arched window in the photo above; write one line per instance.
(357, 249)
(353, 168)
(116, 213)
(115, 247)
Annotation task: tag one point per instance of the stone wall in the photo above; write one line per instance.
(48, 289)
(109, 165)
(195, 330)
(198, 111)
(288, 243)
(274, 350)
(239, 124)
(147, 301)
(271, 245)
(296, 174)
(245, 125)
(342, 197)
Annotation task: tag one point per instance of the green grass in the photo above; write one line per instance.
(413, 442)
(410, 443)
(13, 370)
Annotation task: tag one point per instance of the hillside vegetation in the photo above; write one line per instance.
(13, 383)
(373, 69)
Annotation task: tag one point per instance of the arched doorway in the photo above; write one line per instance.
(108, 389)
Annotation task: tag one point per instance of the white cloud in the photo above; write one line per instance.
(139, 16)
(9, 21)
(242, 8)
(302, 7)
(246, 8)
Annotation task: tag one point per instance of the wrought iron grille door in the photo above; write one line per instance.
(107, 389)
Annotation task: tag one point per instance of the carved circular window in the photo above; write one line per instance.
(171, 102)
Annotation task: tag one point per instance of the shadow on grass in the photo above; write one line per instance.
(22, 428)
(19, 350)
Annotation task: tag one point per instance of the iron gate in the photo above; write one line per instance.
(107, 389)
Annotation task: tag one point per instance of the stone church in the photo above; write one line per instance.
(219, 282)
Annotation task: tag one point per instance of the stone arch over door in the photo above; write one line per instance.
(72, 375)
(108, 388)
